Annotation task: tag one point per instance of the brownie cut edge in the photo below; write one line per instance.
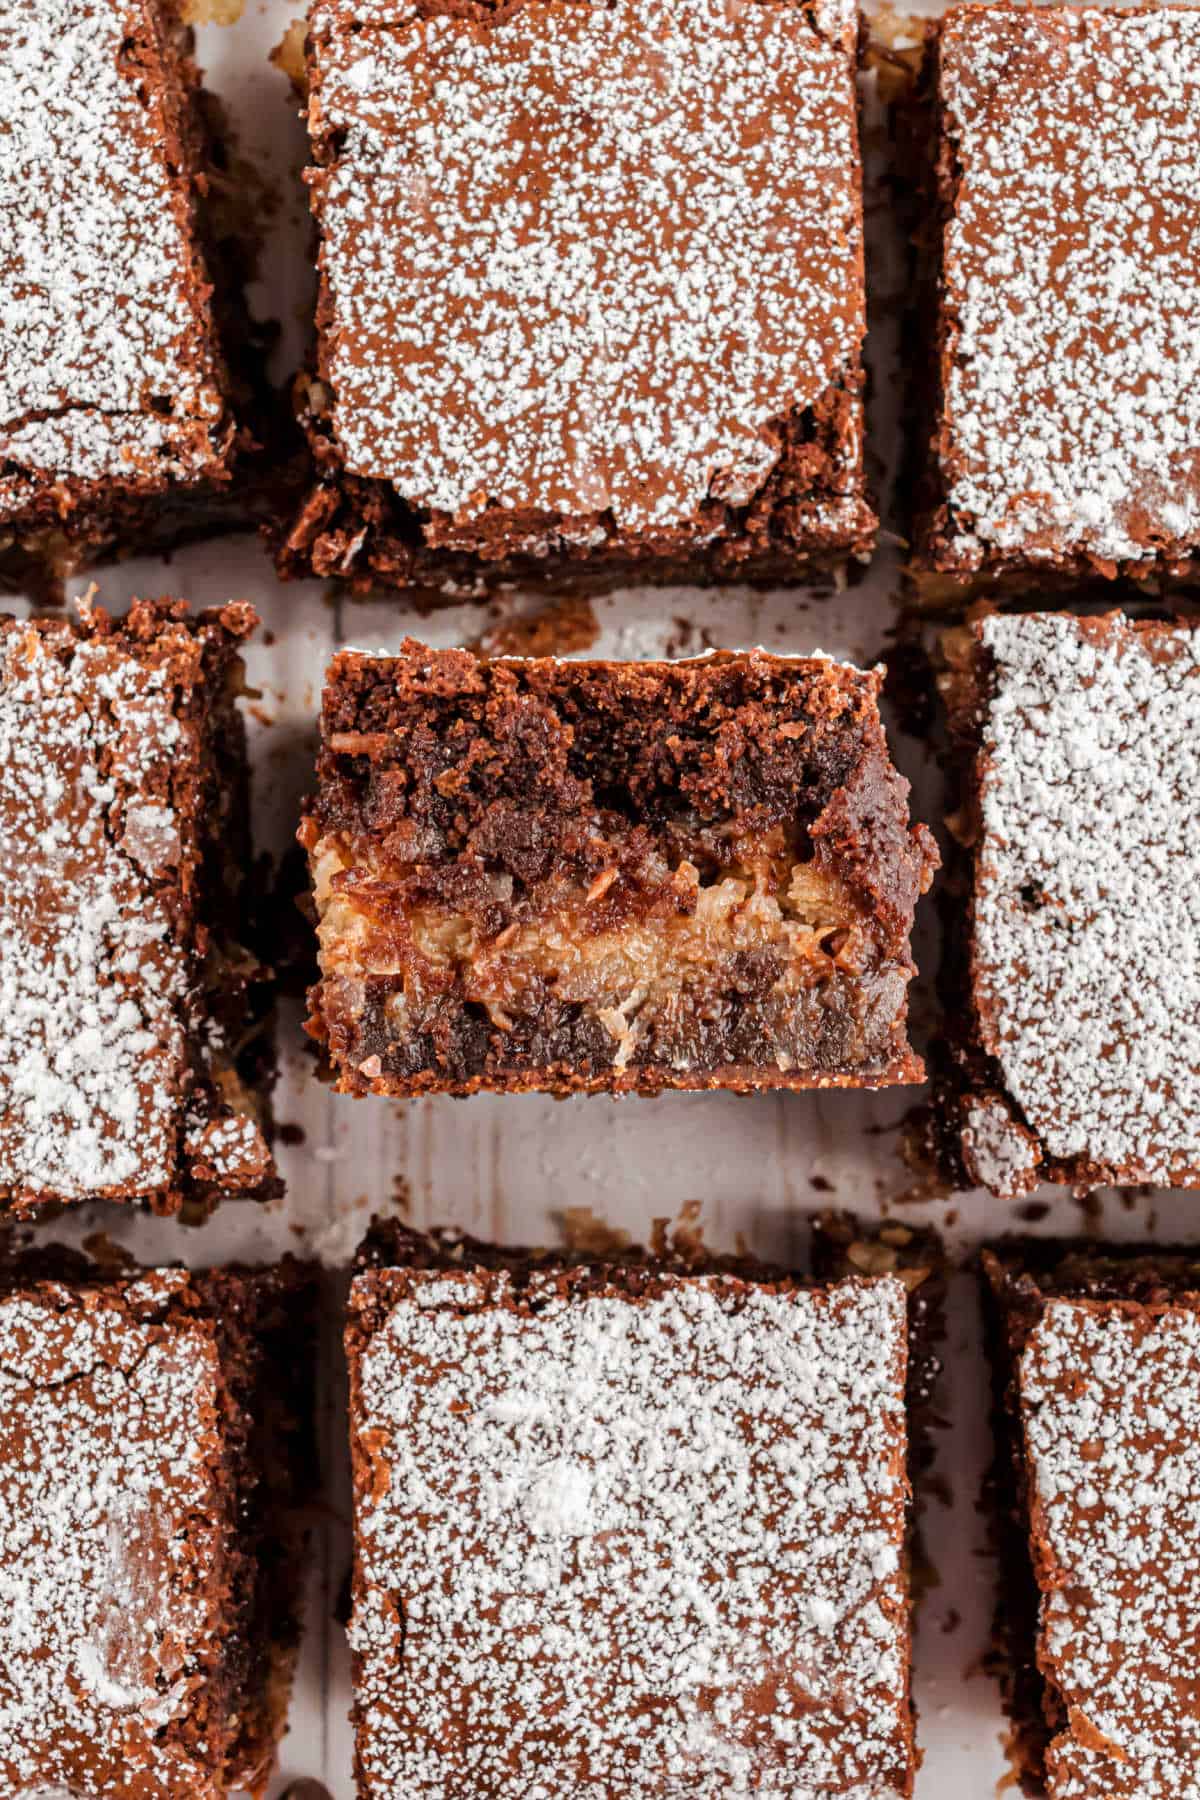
(610, 877)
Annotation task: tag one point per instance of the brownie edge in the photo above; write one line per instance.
(131, 374)
(1063, 446)
(1071, 1051)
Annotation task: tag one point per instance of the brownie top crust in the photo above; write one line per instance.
(109, 369)
(1070, 426)
(631, 1533)
(104, 808)
(586, 261)
(1086, 907)
(1108, 1395)
(115, 1506)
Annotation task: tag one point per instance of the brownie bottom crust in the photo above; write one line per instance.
(717, 984)
(52, 539)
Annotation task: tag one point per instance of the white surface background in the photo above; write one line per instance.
(508, 1168)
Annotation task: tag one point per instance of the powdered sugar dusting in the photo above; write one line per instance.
(1072, 266)
(1087, 908)
(108, 1504)
(93, 982)
(95, 319)
(638, 1548)
(604, 247)
(998, 1153)
(1111, 1407)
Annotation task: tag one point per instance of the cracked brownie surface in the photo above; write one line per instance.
(608, 876)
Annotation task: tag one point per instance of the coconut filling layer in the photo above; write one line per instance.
(774, 934)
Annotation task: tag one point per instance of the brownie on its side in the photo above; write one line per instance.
(154, 1448)
(130, 1016)
(1066, 442)
(1075, 1046)
(626, 1528)
(1098, 1383)
(610, 877)
(116, 403)
(592, 299)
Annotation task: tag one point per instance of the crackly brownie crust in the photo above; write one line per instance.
(1066, 440)
(1071, 1053)
(121, 374)
(650, 404)
(131, 1035)
(1096, 1354)
(591, 1633)
(154, 1450)
(610, 877)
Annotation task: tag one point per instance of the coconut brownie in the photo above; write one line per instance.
(130, 1015)
(116, 422)
(628, 1528)
(1098, 1382)
(592, 298)
(1066, 442)
(1076, 1044)
(610, 876)
(153, 1451)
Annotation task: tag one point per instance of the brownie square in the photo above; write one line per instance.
(153, 1451)
(131, 1027)
(1067, 437)
(630, 1528)
(1098, 1378)
(116, 422)
(592, 299)
(1076, 1035)
(615, 877)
